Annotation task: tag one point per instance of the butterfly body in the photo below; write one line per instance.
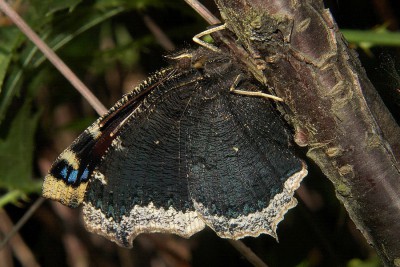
(181, 152)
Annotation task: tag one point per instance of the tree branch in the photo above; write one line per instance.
(295, 48)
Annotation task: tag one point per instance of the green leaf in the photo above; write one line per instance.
(48, 7)
(72, 26)
(10, 37)
(137, 4)
(372, 38)
(57, 36)
(16, 152)
(304, 263)
(372, 262)
(14, 196)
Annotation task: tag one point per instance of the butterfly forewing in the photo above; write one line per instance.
(68, 177)
(144, 184)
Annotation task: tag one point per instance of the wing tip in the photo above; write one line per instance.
(56, 189)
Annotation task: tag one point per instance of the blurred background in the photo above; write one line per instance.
(112, 45)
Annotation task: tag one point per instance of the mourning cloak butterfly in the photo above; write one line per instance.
(180, 152)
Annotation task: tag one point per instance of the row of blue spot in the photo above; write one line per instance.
(73, 175)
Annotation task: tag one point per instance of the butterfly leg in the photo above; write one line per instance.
(197, 37)
(249, 93)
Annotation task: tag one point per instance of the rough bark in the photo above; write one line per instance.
(295, 48)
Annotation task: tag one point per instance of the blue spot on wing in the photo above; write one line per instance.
(85, 175)
(73, 176)
(64, 172)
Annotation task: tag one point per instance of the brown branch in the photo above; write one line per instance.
(203, 11)
(21, 251)
(333, 107)
(158, 33)
(22, 221)
(247, 253)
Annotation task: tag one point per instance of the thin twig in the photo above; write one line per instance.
(22, 221)
(20, 249)
(247, 253)
(203, 11)
(53, 58)
(160, 36)
(6, 257)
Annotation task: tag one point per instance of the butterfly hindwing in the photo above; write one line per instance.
(238, 168)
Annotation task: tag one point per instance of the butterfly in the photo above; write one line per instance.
(180, 152)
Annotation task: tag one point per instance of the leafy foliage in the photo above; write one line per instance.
(16, 152)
